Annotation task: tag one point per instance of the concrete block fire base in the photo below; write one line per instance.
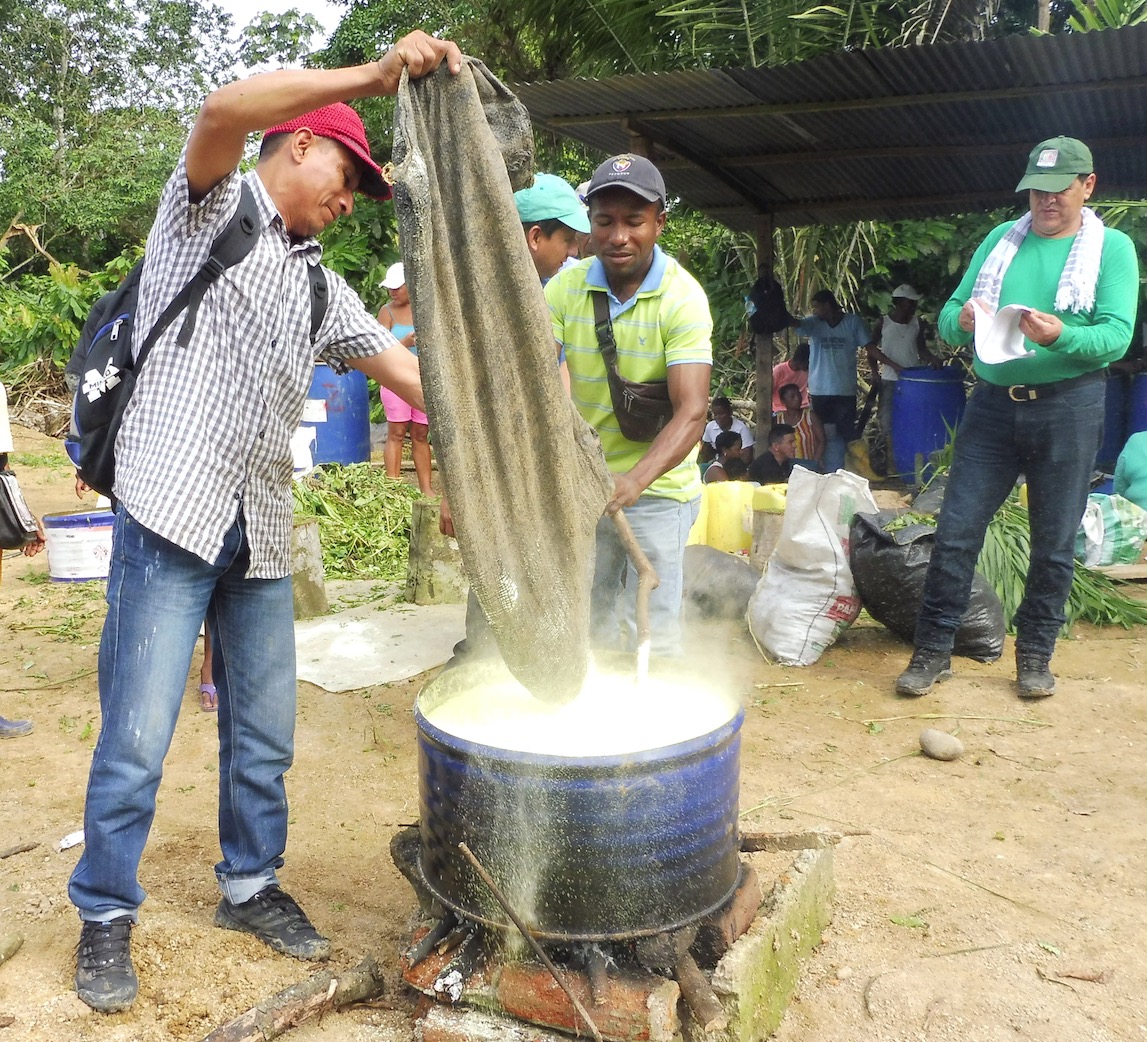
(757, 977)
(754, 980)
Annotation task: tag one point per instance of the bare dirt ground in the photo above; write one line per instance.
(996, 897)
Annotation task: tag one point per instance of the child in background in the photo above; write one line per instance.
(400, 417)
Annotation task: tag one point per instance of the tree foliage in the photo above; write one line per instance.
(96, 100)
(93, 109)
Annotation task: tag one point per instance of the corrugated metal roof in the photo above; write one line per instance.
(884, 134)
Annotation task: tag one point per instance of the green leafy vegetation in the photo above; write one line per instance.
(363, 517)
(1004, 559)
(1004, 563)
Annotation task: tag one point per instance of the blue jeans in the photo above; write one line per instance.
(158, 594)
(1052, 442)
(661, 527)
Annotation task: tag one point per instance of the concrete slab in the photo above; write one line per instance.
(376, 642)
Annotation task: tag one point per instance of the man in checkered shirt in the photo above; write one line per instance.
(203, 475)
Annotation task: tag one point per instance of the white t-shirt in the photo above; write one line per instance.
(898, 340)
(713, 428)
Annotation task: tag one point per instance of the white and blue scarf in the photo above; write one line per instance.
(1076, 290)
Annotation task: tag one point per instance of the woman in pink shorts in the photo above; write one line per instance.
(397, 317)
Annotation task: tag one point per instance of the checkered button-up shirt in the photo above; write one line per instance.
(207, 432)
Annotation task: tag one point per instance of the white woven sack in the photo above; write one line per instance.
(806, 597)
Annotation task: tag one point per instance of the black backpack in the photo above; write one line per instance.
(771, 314)
(103, 363)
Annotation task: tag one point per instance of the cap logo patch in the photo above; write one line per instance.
(1048, 157)
(621, 164)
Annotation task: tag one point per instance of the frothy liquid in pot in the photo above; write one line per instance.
(612, 715)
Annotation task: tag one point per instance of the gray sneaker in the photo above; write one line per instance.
(275, 918)
(1033, 675)
(105, 977)
(926, 669)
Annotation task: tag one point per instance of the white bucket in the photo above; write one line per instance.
(79, 545)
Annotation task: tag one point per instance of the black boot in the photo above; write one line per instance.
(1033, 674)
(105, 977)
(926, 668)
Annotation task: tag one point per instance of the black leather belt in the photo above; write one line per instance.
(1034, 392)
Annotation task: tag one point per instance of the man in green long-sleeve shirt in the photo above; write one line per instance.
(1040, 415)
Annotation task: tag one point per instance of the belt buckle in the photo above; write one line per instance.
(1022, 393)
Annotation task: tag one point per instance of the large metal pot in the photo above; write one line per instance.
(591, 848)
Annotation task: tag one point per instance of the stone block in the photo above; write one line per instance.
(308, 580)
(458, 1024)
(641, 1007)
(637, 1007)
(434, 572)
(757, 977)
(767, 526)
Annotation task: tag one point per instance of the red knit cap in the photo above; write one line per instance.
(341, 123)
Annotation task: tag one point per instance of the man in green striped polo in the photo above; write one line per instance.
(662, 328)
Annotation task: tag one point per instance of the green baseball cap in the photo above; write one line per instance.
(1055, 163)
(551, 198)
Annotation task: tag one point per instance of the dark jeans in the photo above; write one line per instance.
(1052, 442)
(838, 414)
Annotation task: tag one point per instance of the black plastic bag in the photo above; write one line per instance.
(931, 498)
(889, 569)
(717, 585)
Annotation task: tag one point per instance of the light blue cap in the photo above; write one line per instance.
(551, 198)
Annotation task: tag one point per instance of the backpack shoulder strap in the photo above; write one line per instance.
(231, 245)
(317, 281)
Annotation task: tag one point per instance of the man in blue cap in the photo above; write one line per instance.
(1039, 415)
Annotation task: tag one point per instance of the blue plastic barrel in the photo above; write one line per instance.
(338, 407)
(587, 848)
(1115, 411)
(1137, 406)
(926, 403)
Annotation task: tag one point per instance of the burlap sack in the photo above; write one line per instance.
(524, 474)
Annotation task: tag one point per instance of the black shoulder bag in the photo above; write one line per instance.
(17, 525)
(642, 409)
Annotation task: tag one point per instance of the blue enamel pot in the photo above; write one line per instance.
(583, 848)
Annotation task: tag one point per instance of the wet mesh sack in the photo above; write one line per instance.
(524, 474)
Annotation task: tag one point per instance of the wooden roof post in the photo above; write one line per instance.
(640, 143)
(763, 345)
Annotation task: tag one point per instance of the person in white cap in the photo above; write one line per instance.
(898, 342)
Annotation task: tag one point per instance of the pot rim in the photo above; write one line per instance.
(686, 747)
(617, 935)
